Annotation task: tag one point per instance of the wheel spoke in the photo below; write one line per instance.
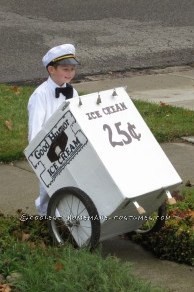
(80, 237)
(69, 208)
(71, 203)
(78, 207)
(82, 211)
(85, 231)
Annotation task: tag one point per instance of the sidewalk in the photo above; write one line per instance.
(175, 86)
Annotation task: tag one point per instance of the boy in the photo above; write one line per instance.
(60, 63)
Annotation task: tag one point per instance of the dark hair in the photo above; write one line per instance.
(54, 64)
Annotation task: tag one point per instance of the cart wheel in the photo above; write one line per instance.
(156, 224)
(79, 220)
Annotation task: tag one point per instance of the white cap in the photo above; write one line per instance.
(63, 54)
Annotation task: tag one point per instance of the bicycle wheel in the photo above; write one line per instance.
(79, 220)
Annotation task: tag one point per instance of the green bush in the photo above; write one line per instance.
(170, 243)
(175, 241)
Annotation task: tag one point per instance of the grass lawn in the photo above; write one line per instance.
(26, 251)
(167, 123)
(13, 121)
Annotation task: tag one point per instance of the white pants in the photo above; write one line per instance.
(41, 202)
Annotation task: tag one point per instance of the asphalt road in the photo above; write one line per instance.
(109, 35)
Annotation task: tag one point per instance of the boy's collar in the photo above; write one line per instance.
(53, 85)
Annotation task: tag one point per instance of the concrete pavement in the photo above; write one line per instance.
(172, 85)
(175, 86)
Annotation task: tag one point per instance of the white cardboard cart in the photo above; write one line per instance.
(96, 157)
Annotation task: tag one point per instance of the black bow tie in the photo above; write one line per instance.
(66, 91)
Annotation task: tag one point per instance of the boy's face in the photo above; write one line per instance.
(62, 73)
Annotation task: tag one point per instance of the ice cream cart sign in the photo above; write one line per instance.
(58, 148)
(126, 134)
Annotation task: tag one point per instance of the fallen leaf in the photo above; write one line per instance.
(188, 184)
(42, 245)
(25, 236)
(31, 244)
(9, 125)
(19, 211)
(162, 103)
(5, 288)
(191, 213)
(59, 266)
(16, 90)
(176, 194)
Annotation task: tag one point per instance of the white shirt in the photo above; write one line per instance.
(42, 104)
